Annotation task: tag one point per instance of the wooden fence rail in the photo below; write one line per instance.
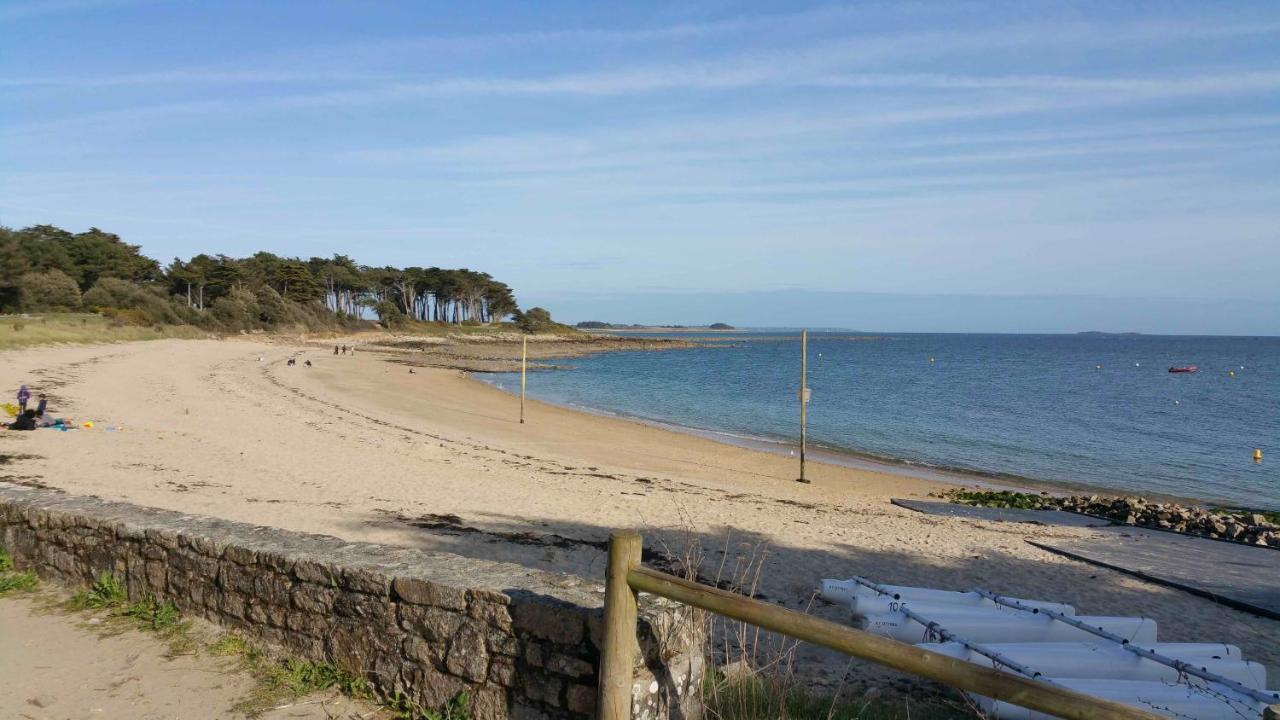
(625, 577)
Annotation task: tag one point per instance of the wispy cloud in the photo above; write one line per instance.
(817, 54)
(196, 77)
(37, 8)
(753, 138)
(1086, 93)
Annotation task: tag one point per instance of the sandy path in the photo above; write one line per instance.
(54, 667)
(359, 448)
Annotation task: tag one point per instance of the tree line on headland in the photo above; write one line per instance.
(600, 325)
(48, 269)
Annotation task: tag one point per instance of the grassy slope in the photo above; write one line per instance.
(18, 331)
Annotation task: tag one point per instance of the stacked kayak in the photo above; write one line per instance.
(1115, 658)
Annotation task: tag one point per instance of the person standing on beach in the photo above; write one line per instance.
(335, 349)
(23, 396)
(42, 405)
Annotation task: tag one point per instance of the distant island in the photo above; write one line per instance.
(598, 325)
(1099, 333)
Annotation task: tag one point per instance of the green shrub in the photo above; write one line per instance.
(536, 320)
(237, 310)
(116, 294)
(53, 290)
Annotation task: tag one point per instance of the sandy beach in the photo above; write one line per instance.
(360, 448)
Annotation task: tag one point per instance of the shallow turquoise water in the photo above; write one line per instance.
(1033, 406)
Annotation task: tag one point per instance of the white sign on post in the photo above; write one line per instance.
(805, 394)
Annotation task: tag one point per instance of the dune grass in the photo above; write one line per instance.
(752, 675)
(764, 696)
(21, 331)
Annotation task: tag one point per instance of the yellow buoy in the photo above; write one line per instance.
(1257, 455)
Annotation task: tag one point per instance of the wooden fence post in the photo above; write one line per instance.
(617, 657)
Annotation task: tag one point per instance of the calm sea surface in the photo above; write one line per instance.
(1094, 410)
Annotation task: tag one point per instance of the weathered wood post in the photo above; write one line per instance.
(804, 399)
(524, 365)
(617, 657)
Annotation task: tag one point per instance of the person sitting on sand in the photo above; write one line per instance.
(292, 362)
(307, 363)
(23, 396)
(25, 421)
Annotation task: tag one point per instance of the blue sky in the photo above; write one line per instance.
(594, 155)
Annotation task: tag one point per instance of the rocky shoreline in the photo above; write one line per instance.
(1244, 526)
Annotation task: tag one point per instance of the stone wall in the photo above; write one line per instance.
(521, 643)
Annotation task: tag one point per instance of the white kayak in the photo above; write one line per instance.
(1111, 661)
(985, 625)
(1082, 652)
(863, 606)
(863, 600)
(1180, 701)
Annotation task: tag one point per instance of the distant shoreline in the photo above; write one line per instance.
(661, 329)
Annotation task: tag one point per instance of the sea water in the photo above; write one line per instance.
(1094, 410)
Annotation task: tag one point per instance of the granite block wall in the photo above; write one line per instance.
(520, 643)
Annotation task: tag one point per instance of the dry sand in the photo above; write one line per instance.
(359, 448)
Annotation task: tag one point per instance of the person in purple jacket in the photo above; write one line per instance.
(23, 396)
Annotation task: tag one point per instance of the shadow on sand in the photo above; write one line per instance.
(787, 575)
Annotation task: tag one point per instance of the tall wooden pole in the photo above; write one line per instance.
(618, 656)
(804, 399)
(524, 366)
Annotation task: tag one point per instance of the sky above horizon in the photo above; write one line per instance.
(593, 155)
